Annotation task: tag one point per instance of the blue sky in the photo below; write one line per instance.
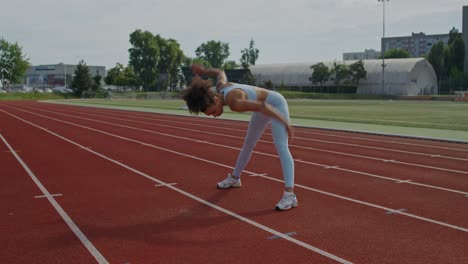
(52, 31)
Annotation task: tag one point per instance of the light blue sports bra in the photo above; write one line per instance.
(250, 90)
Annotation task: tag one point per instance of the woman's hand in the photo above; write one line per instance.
(198, 69)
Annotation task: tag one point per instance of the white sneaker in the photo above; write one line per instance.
(288, 201)
(230, 182)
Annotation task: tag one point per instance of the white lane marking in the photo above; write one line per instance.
(227, 166)
(286, 234)
(307, 139)
(165, 185)
(91, 248)
(395, 211)
(265, 154)
(196, 198)
(411, 182)
(47, 196)
(152, 117)
(257, 174)
(331, 167)
(403, 181)
(373, 205)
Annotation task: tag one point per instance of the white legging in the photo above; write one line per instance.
(257, 125)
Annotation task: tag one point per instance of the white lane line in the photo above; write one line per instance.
(249, 172)
(373, 205)
(196, 198)
(265, 154)
(395, 211)
(286, 234)
(403, 181)
(307, 139)
(258, 174)
(47, 196)
(91, 248)
(165, 185)
(161, 117)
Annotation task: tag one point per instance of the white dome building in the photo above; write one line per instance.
(408, 77)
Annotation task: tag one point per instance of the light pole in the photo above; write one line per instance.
(383, 46)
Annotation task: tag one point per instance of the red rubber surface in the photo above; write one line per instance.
(347, 182)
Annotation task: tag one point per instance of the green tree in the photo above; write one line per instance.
(96, 82)
(437, 58)
(113, 74)
(13, 63)
(249, 55)
(121, 76)
(397, 54)
(230, 65)
(320, 74)
(456, 58)
(171, 59)
(453, 35)
(357, 71)
(215, 52)
(339, 73)
(144, 57)
(128, 78)
(82, 80)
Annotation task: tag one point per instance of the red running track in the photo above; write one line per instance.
(90, 185)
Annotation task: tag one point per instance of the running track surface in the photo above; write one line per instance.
(90, 185)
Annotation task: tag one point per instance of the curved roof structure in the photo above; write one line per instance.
(402, 76)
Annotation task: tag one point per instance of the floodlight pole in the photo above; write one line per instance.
(383, 46)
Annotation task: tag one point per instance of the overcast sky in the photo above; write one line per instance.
(97, 31)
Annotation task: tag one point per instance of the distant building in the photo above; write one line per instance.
(368, 54)
(418, 44)
(408, 77)
(54, 74)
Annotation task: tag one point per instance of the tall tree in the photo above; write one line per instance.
(320, 74)
(215, 52)
(82, 80)
(122, 76)
(96, 82)
(456, 57)
(13, 63)
(453, 35)
(171, 59)
(113, 74)
(230, 65)
(357, 71)
(437, 58)
(339, 72)
(249, 55)
(144, 57)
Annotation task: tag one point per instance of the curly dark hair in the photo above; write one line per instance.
(198, 95)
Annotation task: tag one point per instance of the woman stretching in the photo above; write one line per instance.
(267, 107)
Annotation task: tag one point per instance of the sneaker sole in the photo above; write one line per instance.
(285, 209)
(233, 186)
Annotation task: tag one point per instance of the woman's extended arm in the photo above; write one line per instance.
(221, 78)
